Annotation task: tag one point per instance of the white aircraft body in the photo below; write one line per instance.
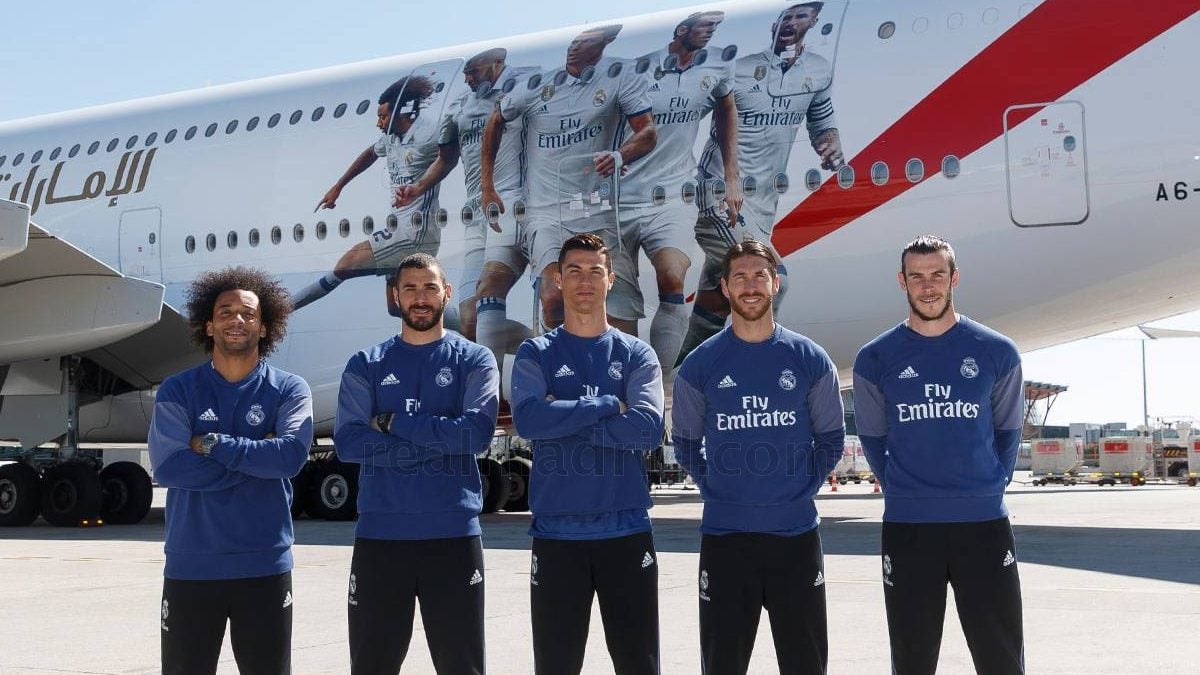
(1054, 143)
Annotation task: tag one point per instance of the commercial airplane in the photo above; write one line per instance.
(1054, 143)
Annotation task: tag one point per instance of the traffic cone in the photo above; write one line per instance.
(833, 482)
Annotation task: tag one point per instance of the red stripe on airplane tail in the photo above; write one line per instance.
(1057, 47)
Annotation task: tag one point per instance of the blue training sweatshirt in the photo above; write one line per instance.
(420, 480)
(940, 421)
(589, 467)
(758, 425)
(229, 514)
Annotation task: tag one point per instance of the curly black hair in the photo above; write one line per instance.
(274, 303)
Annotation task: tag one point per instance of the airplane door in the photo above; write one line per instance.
(139, 239)
(1047, 164)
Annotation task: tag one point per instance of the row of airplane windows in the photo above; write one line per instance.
(914, 171)
(169, 137)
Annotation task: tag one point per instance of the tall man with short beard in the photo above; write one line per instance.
(414, 411)
(938, 404)
(757, 422)
(225, 439)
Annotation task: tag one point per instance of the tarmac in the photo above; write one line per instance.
(1110, 580)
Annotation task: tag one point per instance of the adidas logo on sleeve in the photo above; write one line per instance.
(564, 372)
(726, 383)
(908, 373)
(390, 379)
(208, 416)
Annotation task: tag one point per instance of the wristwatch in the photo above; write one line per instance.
(208, 441)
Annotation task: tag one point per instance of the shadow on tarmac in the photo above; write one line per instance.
(1162, 554)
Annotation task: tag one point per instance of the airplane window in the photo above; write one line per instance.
(131, 142)
(468, 215)
(322, 229)
(914, 171)
(812, 179)
(231, 239)
(339, 111)
(170, 137)
(658, 196)
(368, 225)
(363, 106)
(18, 159)
(718, 190)
(534, 80)
(344, 228)
(1068, 144)
(509, 85)
(296, 116)
(950, 166)
(990, 15)
(887, 29)
(1024, 9)
(212, 129)
(670, 62)
(112, 145)
(276, 235)
(955, 21)
(493, 213)
(190, 133)
(298, 232)
(701, 58)
(560, 77)
(210, 242)
(252, 123)
(3, 158)
(273, 121)
(782, 183)
(231, 127)
(189, 244)
(688, 193)
(417, 221)
(93, 147)
(749, 186)
(845, 176)
(920, 25)
(55, 153)
(74, 151)
(253, 237)
(519, 210)
(151, 138)
(879, 173)
(614, 71)
(642, 65)
(317, 113)
(37, 157)
(827, 29)
(392, 222)
(441, 217)
(729, 53)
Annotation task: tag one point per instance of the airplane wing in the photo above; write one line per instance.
(57, 300)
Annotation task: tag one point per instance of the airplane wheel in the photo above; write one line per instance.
(334, 491)
(302, 488)
(1191, 482)
(126, 493)
(70, 494)
(518, 469)
(20, 494)
(495, 484)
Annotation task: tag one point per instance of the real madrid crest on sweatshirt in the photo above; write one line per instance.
(589, 468)
(758, 426)
(229, 514)
(419, 480)
(940, 420)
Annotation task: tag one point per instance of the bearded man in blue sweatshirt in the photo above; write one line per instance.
(225, 439)
(590, 400)
(414, 411)
(757, 421)
(939, 403)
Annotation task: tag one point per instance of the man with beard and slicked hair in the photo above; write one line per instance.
(757, 421)
(415, 411)
(939, 403)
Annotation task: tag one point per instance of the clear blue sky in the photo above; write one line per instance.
(59, 55)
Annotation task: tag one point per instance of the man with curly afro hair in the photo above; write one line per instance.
(225, 440)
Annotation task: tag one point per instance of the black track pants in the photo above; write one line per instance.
(387, 578)
(979, 562)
